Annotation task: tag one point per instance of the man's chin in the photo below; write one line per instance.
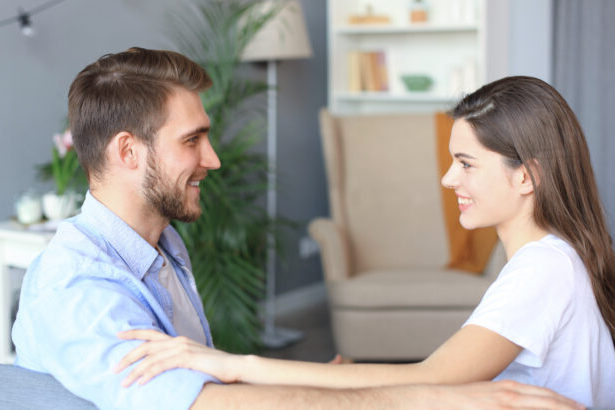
(190, 216)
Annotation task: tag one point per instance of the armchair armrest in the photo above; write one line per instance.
(333, 244)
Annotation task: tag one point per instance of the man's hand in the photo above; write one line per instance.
(161, 352)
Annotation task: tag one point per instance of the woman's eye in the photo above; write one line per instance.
(465, 164)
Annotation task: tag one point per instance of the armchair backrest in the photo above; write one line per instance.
(384, 189)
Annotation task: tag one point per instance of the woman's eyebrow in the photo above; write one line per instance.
(462, 155)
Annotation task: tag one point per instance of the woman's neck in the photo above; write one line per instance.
(516, 235)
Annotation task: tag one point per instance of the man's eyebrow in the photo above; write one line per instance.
(199, 130)
(462, 155)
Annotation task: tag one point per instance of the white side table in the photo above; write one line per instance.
(18, 247)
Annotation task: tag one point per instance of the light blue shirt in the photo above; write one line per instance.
(98, 277)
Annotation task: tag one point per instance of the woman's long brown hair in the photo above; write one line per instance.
(529, 123)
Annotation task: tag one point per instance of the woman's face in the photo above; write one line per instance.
(488, 191)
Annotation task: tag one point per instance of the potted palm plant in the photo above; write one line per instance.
(228, 243)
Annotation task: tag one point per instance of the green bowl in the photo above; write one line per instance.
(417, 82)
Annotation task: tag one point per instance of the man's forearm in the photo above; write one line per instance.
(486, 395)
(246, 396)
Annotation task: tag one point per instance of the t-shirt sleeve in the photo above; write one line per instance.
(528, 301)
(76, 331)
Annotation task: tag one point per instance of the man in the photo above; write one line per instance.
(141, 135)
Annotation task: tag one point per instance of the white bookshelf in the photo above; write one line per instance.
(450, 48)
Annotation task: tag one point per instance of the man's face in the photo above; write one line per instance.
(179, 159)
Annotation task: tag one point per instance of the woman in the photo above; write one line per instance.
(521, 164)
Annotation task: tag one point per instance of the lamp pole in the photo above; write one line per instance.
(284, 37)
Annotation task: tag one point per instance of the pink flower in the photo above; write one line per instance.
(63, 142)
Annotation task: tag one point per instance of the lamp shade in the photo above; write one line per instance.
(284, 37)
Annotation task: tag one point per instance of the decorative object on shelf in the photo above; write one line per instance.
(28, 208)
(419, 11)
(283, 37)
(367, 71)
(417, 82)
(463, 11)
(463, 78)
(67, 175)
(369, 17)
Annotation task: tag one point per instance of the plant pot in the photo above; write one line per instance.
(56, 207)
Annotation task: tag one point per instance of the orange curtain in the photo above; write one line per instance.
(469, 249)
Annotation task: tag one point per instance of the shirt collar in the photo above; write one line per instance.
(173, 245)
(136, 252)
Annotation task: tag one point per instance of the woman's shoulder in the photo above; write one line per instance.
(550, 258)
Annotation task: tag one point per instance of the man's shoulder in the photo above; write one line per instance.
(74, 251)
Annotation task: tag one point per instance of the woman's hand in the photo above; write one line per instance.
(162, 352)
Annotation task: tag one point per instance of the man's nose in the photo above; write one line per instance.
(209, 158)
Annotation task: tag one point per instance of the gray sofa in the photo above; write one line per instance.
(23, 389)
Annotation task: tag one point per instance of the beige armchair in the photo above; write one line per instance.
(385, 247)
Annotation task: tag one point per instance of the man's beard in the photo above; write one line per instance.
(162, 196)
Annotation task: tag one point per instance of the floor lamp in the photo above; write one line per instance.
(284, 37)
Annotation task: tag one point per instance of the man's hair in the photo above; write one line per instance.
(127, 91)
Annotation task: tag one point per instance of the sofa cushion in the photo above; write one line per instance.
(417, 288)
(28, 390)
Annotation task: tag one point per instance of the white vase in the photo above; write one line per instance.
(56, 207)
(29, 209)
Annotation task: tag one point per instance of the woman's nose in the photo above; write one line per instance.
(449, 180)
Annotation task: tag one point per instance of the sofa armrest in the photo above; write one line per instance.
(334, 251)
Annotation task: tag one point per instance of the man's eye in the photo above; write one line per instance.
(465, 164)
(194, 139)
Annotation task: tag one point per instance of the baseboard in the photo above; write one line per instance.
(300, 298)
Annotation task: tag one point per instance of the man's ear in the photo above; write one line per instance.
(124, 150)
(526, 180)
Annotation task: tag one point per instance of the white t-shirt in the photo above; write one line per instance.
(543, 301)
(185, 319)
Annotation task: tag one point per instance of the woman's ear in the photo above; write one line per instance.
(528, 177)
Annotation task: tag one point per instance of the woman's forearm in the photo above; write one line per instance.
(255, 369)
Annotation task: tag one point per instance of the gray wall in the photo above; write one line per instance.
(520, 38)
(35, 74)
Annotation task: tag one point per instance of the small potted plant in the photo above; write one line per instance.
(65, 171)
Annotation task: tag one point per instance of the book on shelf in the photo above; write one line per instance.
(367, 71)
